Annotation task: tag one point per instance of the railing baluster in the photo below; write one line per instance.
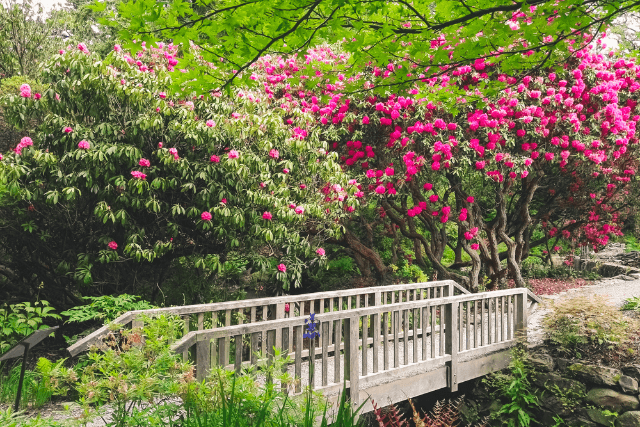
(255, 339)
(365, 345)
(452, 311)
(433, 331)
(297, 330)
(351, 369)
(468, 314)
(509, 317)
(416, 314)
(442, 329)
(325, 354)
(459, 337)
(375, 319)
(238, 358)
(203, 348)
(423, 325)
(475, 324)
(385, 340)
(396, 333)
(337, 328)
(405, 328)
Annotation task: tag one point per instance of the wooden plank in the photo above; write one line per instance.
(271, 341)
(405, 340)
(337, 327)
(460, 325)
(203, 353)
(227, 341)
(385, 340)
(490, 318)
(442, 328)
(452, 313)
(482, 324)
(252, 318)
(238, 358)
(297, 330)
(375, 319)
(255, 340)
(185, 353)
(503, 312)
(475, 324)
(416, 314)
(423, 325)
(365, 346)
(325, 353)
(433, 330)
(521, 316)
(468, 325)
(396, 330)
(351, 368)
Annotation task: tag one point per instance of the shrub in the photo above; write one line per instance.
(591, 328)
(105, 308)
(19, 320)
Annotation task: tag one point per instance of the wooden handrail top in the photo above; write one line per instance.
(229, 331)
(124, 319)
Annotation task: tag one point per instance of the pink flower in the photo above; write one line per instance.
(0, 156)
(380, 189)
(468, 235)
(67, 130)
(210, 123)
(83, 48)
(223, 201)
(162, 95)
(389, 171)
(112, 245)
(233, 154)
(480, 165)
(206, 216)
(556, 248)
(549, 156)
(428, 186)
(320, 251)
(299, 210)
(303, 186)
(159, 144)
(215, 159)
(470, 199)
(365, 120)
(475, 246)
(37, 96)
(286, 308)
(433, 198)
(274, 154)
(144, 163)
(267, 216)
(83, 145)
(282, 267)
(25, 91)
(285, 171)
(117, 48)
(139, 175)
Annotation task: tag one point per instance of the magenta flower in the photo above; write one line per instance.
(380, 189)
(285, 171)
(470, 199)
(206, 216)
(365, 120)
(144, 163)
(223, 201)
(83, 145)
(303, 186)
(233, 154)
(37, 96)
(299, 210)
(475, 246)
(274, 154)
(433, 198)
(159, 144)
(139, 175)
(267, 216)
(287, 308)
(215, 159)
(320, 251)
(0, 156)
(83, 48)
(282, 267)
(67, 130)
(112, 245)
(211, 123)
(162, 95)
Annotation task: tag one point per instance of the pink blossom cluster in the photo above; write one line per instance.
(24, 142)
(138, 175)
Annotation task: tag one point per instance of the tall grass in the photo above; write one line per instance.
(34, 391)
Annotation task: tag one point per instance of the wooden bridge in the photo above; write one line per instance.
(384, 343)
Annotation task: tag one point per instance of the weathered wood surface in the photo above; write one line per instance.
(274, 307)
(378, 346)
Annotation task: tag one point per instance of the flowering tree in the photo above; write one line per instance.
(122, 173)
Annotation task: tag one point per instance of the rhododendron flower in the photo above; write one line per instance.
(25, 91)
(470, 199)
(389, 171)
(468, 235)
(159, 144)
(380, 189)
(1, 157)
(320, 251)
(210, 123)
(223, 201)
(162, 95)
(556, 248)
(433, 198)
(67, 130)
(139, 175)
(214, 159)
(475, 246)
(144, 163)
(112, 245)
(233, 154)
(365, 120)
(83, 48)
(206, 216)
(428, 186)
(37, 96)
(303, 186)
(83, 145)
(267, 216)
(480, 165)
(273, 153)
(299, 210)
(282, 267)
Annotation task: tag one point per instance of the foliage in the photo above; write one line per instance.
(234, 35)
(445, 413)
(591, 328)
(221, 180)
(632, 303)
(515, 388)
(105, 308)
(19, 320)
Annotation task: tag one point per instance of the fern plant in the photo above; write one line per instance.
(445, 413)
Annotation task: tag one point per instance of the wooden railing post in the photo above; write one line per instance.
(451, 341)
(521, 315)
(280, 315)
(351, 368)
(203, 348)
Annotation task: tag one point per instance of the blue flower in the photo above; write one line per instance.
(311, 327)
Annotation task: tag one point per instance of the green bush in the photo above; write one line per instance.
(105, 308)
(19, 320)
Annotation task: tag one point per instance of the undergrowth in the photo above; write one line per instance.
(445, 413)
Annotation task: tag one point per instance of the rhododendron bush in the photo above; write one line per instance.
(556, 149)
(120, 172)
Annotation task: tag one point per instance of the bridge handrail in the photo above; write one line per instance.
(252, 304)
(506, 315)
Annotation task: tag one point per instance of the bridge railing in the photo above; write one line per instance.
(230, 313)
(368, 346)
